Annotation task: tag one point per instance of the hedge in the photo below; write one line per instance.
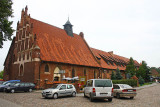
(130, 82)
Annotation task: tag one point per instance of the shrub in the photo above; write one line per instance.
(130, 82)
(113, 77)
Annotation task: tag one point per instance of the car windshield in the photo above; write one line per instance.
(103, 83)
(5, 83)
(125, 86)
(55, 86)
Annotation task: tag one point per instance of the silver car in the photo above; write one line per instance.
(123, 90)
(59, 90)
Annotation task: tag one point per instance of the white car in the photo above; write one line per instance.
(59, 90)
(99, 89)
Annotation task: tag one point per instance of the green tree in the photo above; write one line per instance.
(130, 68)
(113, 77)
(118, 74)
(141, 80)
(6, 30)
(144, 71)
(1, 74)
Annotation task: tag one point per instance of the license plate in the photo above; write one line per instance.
(130, 90)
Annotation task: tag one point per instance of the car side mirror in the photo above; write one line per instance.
(60, 88)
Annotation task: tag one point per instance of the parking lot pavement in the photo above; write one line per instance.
(6, 103)
(146, 97)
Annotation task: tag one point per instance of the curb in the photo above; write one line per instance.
(145, 86)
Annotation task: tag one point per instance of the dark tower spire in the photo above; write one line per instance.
(68, 28)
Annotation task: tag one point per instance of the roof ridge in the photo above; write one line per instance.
(50, 25)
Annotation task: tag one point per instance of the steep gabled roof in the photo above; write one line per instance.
(111, 61)
(56, 46)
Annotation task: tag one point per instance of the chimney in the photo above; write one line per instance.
(81, 34)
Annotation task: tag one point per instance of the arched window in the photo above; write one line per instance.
(21, 71)
(73, 73)
(46, 68)
(56, 75)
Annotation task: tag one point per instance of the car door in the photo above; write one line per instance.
(69, 90)
(27, 86)
(20, 87)
(62, 91)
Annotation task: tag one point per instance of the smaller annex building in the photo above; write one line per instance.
(45, 54)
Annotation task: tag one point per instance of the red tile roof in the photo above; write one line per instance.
(56, 46)
(107, 58)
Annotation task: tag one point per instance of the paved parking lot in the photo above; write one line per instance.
(146, 97)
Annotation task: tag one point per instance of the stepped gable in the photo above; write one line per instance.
(111, 61)
(56, 46)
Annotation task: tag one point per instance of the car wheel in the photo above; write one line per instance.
(12, 91)
(110, 99)
(30, 90)
(131, 97)
(55, 96)
(73, 94)
(91, 98)
(118, 96)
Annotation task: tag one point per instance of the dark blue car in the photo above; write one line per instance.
(2, 87)
(22, 86)
(7, 83)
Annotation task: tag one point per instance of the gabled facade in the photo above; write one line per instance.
(45, 54)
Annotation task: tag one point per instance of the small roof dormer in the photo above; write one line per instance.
(68, 28)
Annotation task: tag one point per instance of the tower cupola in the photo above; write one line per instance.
(68, 28)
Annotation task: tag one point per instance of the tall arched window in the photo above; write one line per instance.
(56, 75)
(46, 68)
(73, 73)
(21, 71)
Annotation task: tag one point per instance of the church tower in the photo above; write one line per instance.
(68, 28)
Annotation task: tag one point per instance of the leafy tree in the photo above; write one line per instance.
(144, 71)
(113, 77)
(118, 74)
(130, 68)
(6, 30)
(141, 80)
(1, 74)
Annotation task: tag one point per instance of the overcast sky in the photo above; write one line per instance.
(129, 28)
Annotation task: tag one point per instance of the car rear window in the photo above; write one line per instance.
(103, 83)
(125, 86)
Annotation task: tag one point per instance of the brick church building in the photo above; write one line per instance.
(45, 54)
